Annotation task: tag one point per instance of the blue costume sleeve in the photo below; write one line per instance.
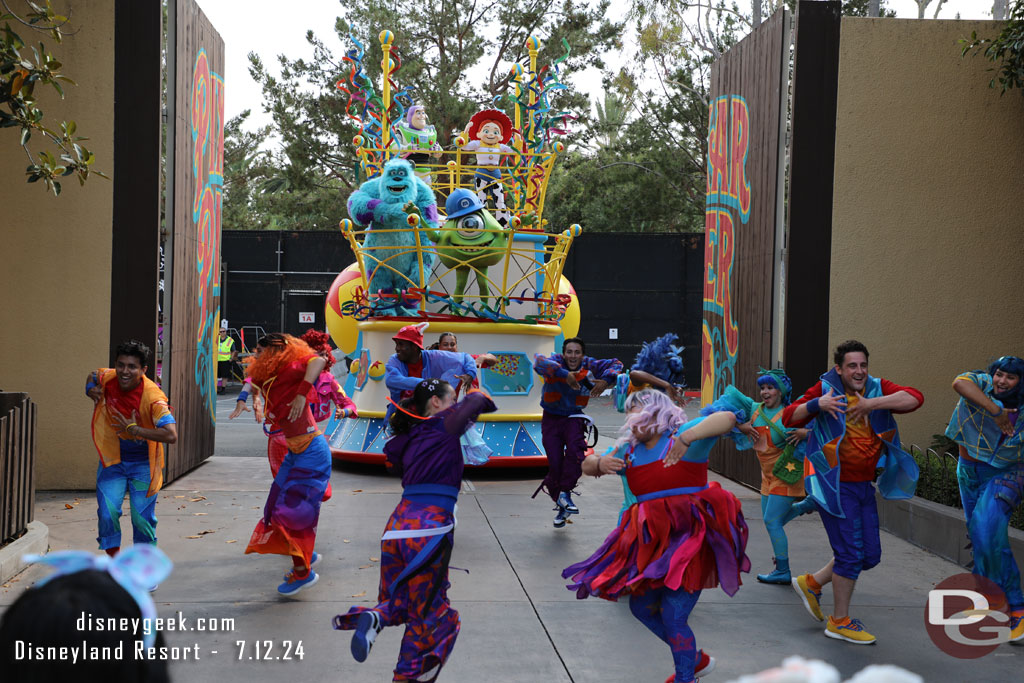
(732, 401)
(982, 379)
(396, 376)
(447, 365)
(550, 368)
(603, 369)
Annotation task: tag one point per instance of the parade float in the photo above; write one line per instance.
(470, 254)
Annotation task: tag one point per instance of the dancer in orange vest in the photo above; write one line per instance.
(130, 424)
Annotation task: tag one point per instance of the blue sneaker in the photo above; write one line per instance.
(565, 502)
(293, 585)
(560, 517)
(367, 628)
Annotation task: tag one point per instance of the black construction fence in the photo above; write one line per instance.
(633, 287)
(17, 464)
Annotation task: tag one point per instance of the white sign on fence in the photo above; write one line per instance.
(307, 317)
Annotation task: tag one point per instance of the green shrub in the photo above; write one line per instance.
(938, 483)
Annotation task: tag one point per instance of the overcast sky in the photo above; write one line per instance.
(260, 26)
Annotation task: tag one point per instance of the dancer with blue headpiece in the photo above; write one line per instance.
(658, 365)
(780, 451)
(122, 639)
(987, 426)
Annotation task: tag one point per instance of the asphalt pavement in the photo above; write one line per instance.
(519, 623)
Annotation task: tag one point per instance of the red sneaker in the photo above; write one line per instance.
(705, 664)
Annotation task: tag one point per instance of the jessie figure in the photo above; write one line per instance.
(489, 132)
(284, 372)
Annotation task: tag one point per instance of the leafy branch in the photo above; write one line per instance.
(1007, 48)
(22, 68)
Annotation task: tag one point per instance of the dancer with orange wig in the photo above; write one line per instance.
(284, 371)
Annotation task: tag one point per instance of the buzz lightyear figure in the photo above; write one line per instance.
(418, 141)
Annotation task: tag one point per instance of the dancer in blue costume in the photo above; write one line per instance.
(681, 536)
(780, 454)
(987, 425)
(853, 433)
(417, 541)
(410, 364)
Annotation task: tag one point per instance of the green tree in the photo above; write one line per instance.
(612, 114)
(247, 172)
(459, 53)
(22, 68)
(445, 54)
(1007, 49)
(664, 138)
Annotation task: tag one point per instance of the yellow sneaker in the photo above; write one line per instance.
(852, 632)
(810, 597)
(1016, 627)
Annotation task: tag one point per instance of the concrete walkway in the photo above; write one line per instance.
(519, 623)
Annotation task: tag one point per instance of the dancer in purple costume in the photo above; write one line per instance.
(417, 541)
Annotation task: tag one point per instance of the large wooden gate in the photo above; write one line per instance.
(197, 161)
(743, 221)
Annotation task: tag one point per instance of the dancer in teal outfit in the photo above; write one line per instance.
(987, 426)
(780, 452)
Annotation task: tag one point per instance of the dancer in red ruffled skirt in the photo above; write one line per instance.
(681, 536)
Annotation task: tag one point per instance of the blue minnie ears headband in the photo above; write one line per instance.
(136, 569)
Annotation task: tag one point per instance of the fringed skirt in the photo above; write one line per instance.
(691, 541)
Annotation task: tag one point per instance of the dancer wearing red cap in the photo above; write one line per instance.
(410, 364)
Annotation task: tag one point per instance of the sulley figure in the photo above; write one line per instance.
(383, 205)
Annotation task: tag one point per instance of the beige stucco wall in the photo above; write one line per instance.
(927, 224)
(55, 259)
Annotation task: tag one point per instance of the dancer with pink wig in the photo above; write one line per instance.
(680, 536)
